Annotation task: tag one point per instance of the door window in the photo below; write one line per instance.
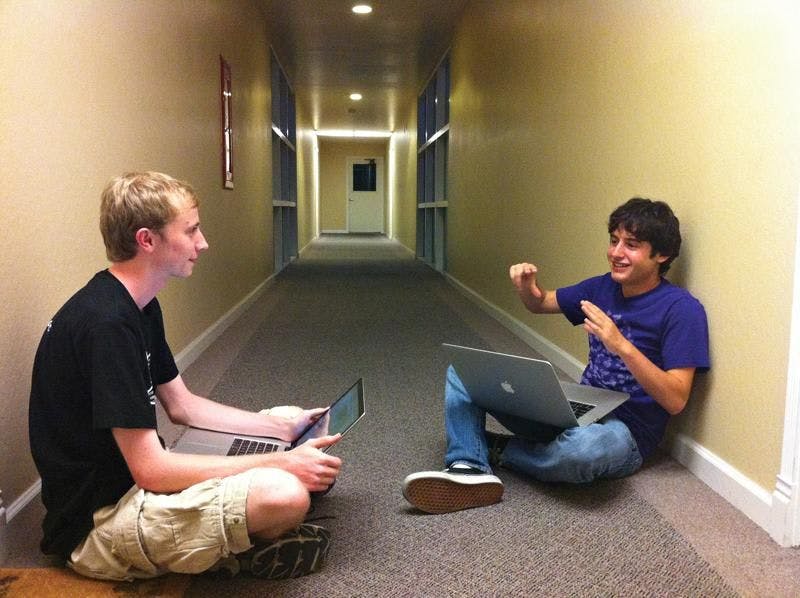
(365, 176)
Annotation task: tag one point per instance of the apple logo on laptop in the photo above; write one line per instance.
(506, 386)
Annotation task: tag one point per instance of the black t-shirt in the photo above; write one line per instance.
(96, 368)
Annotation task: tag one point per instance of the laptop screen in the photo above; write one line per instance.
(341, 416)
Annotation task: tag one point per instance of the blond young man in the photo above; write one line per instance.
(120, 505)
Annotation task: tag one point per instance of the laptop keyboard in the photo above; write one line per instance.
(580, 408)
(242, 446)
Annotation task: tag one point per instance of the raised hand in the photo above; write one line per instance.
(539, 301)
(523, 277)
(599, 324)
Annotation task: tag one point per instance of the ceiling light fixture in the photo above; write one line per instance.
(352, 133)
(355, 96)
(362, 9)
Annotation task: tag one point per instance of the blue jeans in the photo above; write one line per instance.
(577, 455)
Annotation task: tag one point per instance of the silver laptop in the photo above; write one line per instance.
(529, 388)
(338, 419)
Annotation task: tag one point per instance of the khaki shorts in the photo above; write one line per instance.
(146, 534)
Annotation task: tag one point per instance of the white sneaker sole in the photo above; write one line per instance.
(443, 492)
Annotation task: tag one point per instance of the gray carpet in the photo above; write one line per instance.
(363, 308)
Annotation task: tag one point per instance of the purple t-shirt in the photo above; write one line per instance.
(667, 324)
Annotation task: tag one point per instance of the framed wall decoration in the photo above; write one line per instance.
(226, 120)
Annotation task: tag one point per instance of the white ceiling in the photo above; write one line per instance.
(329, 52)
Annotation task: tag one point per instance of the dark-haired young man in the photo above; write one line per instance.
(647, 337)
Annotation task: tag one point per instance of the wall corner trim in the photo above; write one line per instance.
(786, 521)
(784, 528)
(748, 497)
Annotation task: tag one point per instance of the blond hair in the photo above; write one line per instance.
(138, 200)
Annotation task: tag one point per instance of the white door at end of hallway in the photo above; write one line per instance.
(365, 195)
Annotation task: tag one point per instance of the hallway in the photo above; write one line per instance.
(355, 306)
(555, 114)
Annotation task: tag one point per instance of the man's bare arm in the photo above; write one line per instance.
(186, 408)
(155, 469)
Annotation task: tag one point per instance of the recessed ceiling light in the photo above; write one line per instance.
(355, 96)
(362, 9)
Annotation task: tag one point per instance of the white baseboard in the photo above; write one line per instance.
(408, 250)
(11, 511)
(23, 500)
(306, 246)
(194, 349)
(748, 497)
(727, 481)
(4, 519)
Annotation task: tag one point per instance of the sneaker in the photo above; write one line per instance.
(295, 554)
(453, 489)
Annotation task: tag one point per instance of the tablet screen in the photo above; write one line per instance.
(342, 415)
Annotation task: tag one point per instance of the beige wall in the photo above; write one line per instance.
(403, 180)
(95, 88)
(562, 110)
(307, 177)
(333, 154)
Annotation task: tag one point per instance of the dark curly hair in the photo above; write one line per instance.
(650, 221)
